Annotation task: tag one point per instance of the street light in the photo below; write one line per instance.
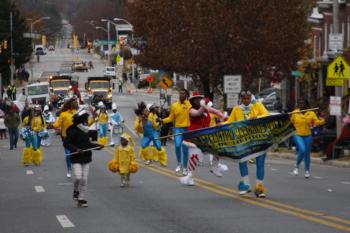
(127, 22)
(102, 28)
(31, 34)
(32, 24)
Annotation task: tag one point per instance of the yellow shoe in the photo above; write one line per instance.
(27, 157)
(103, 141)
(163, 157)
(37, 157)
(146, 154)
(260, 190)
(155, 153)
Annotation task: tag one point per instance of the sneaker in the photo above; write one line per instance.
(69, 175)
(148, 162)
(260, 190)
(216, 171)
(111, 144)
(82, 203)
(307, 175)
(75, 195)
(178, 169)
(296, 171)
(243, 188)
(185, 172)
(187, 180)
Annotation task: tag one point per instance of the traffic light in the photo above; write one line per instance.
(5, 44)
(43, 40)
(75, 41)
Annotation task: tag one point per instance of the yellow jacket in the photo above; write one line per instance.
(124, 157)
(37, 124)
(103, 118)
(257, 110)
(180, 114)
(304, 121)
(64, 121)
(152, 117)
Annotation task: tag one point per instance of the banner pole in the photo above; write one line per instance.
(95, 148)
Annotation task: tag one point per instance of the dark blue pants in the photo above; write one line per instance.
(13, 134)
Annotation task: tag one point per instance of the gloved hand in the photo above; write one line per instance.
(202, 103)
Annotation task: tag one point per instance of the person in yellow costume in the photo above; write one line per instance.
(103, 119)
(153, 116)
(303, 121)
(64, 121)
(249, 109)
(27, 136)
(144, 126)
(125, 158)
(37, 125)
(179, 114)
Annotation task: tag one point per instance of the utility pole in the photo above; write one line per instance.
(12, 66)
(338, 90)
(109, 45)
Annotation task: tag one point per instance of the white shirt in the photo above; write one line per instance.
(2, 123)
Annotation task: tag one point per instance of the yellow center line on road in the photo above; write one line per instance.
(321, 218)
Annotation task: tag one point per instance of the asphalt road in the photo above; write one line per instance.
(39, 199)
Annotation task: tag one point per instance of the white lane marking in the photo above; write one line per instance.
(345, 182)
(131, 130)
(274, 169)
(318, 177)
(64, 221)
(64, 184)
(39, 189)
(29, 172)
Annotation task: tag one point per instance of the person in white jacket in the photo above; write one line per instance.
(115, 123)
(49, 119)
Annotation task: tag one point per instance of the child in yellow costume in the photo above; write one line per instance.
(103, 119)
(125, 159)
(151, 152)
(37, 126)
(145, 126)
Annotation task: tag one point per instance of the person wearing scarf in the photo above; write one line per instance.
(249, 109)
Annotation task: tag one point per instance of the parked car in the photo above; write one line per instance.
(51, 48)
(80, 66)
(271, 98)
(39, 50)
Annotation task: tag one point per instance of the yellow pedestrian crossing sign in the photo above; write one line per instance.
(337, 72)
(338, 69)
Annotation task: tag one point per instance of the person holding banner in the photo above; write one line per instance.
(179, 114)
(200, 118)
(303, 121)
(249, 109)
(78, 143)
(143, 125)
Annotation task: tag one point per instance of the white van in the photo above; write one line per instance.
(38, 93)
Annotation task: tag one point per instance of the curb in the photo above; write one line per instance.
(291, 156)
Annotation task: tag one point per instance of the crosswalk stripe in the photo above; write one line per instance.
(39, 189)
(64, 221)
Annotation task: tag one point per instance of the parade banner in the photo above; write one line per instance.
(243, 140)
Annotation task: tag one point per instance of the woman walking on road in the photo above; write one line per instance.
(303, 122)
(77, 141)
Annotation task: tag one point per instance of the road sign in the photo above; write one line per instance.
(337, 71)
(106, 42)
(335, 105)
(336, 42)
(149, 79)
(232, 83)
(231, 100)
(166, 82)
(32, 35)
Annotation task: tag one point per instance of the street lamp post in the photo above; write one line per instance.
(127, 22)
(32, 36)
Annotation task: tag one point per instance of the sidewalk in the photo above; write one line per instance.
(282, 153)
